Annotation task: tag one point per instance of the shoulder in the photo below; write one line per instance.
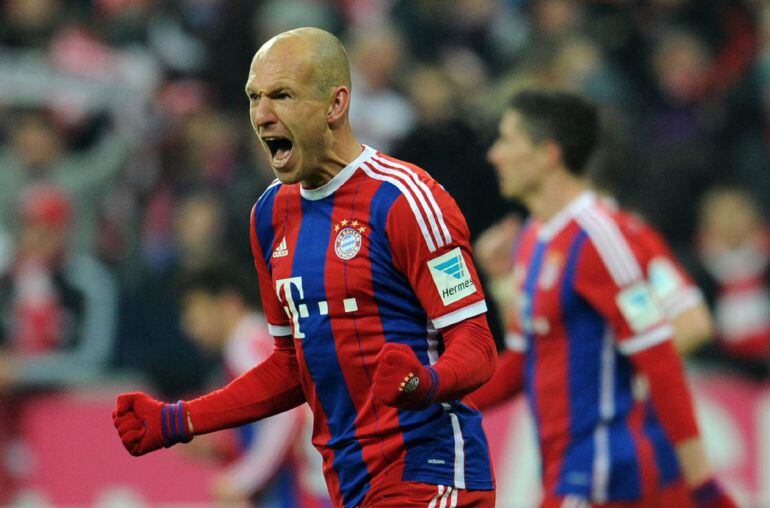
(419, 200)
(608, 242)
(263, 207)
(409, 179)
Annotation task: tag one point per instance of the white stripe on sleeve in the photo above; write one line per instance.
(428, 193)
(369, 170)
(646, 340)
(458, 315)
(612, 247)
(278, 330)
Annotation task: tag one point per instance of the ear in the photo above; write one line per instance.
(551, 153)
(338, 107)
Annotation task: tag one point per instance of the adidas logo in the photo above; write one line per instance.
(452, 267)
(281, 250)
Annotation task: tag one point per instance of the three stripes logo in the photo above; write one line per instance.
(451, 276)
(281, 250)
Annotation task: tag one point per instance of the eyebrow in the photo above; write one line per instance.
(280, 88)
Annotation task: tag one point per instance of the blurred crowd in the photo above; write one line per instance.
(127, 161)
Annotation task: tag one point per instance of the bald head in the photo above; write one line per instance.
(318, 52)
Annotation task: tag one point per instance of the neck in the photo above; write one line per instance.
(557, 191)
(344, 148)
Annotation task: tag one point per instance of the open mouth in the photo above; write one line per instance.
(280, 149)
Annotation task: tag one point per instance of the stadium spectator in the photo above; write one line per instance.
(57, 317)
(57, 306)
(38, 154)
(733, 249)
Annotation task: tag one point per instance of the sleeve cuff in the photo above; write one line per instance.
(278, 330)
(458, 315)
(682, 301)
(646, 340)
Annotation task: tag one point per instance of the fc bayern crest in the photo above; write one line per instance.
(349, 238)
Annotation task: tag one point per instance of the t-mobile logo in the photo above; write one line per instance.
(296, 310)
(292, 310)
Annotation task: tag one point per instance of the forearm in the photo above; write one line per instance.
(673, 405)
(693, 461)
(692, 328)
(268, 389)
(505, 384)
(468, 361)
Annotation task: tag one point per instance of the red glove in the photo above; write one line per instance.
(145, 424)
(401, 380)
(710, 494)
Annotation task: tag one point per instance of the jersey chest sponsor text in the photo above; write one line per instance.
(297, 308)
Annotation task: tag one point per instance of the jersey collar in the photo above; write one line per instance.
(339, 179)
(556, 223)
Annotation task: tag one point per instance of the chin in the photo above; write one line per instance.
(288, 177)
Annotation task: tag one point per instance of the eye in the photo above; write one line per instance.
(282, 95)
(253, 96)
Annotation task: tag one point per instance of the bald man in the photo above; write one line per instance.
(371, 295)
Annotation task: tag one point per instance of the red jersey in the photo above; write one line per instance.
(669, 281)
(584, 308)
(378, 254)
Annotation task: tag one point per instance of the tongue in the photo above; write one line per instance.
(282, 153)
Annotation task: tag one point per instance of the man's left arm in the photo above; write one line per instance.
(612, 281)
(430, 246)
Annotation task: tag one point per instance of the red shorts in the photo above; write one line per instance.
(424, 495)
(674, 496)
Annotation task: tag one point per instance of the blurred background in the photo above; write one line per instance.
(128, 168)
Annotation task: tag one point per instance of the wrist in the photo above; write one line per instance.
(434, 383)
(175, 423)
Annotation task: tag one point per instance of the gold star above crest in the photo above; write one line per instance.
(336, 227)
(362, 229)
(344, 222)
(354, 223)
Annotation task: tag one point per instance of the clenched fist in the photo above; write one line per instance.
(145, 424)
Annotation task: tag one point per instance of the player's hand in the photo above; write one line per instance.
(710, 494)
(145, 424)
(401, 380)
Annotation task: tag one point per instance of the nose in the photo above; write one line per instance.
(492, 154)
(262, 114)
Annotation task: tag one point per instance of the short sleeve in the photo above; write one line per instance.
(429, 241)
(278, 323)
(609, 276)
(669, 281)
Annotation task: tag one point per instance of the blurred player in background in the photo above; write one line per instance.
(677, 293)
(586, 325)
(220, 314)
(370, 291)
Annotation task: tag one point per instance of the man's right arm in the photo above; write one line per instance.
(270, 388)
(145, 424)
(611, 280)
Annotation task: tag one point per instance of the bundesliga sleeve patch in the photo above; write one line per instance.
(451, 276)
(638, 306)
(664, 278)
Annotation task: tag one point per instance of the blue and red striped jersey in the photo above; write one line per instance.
(584, 308)
(378, 254)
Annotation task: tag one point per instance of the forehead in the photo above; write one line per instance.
(278, 67)
(511, 123)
